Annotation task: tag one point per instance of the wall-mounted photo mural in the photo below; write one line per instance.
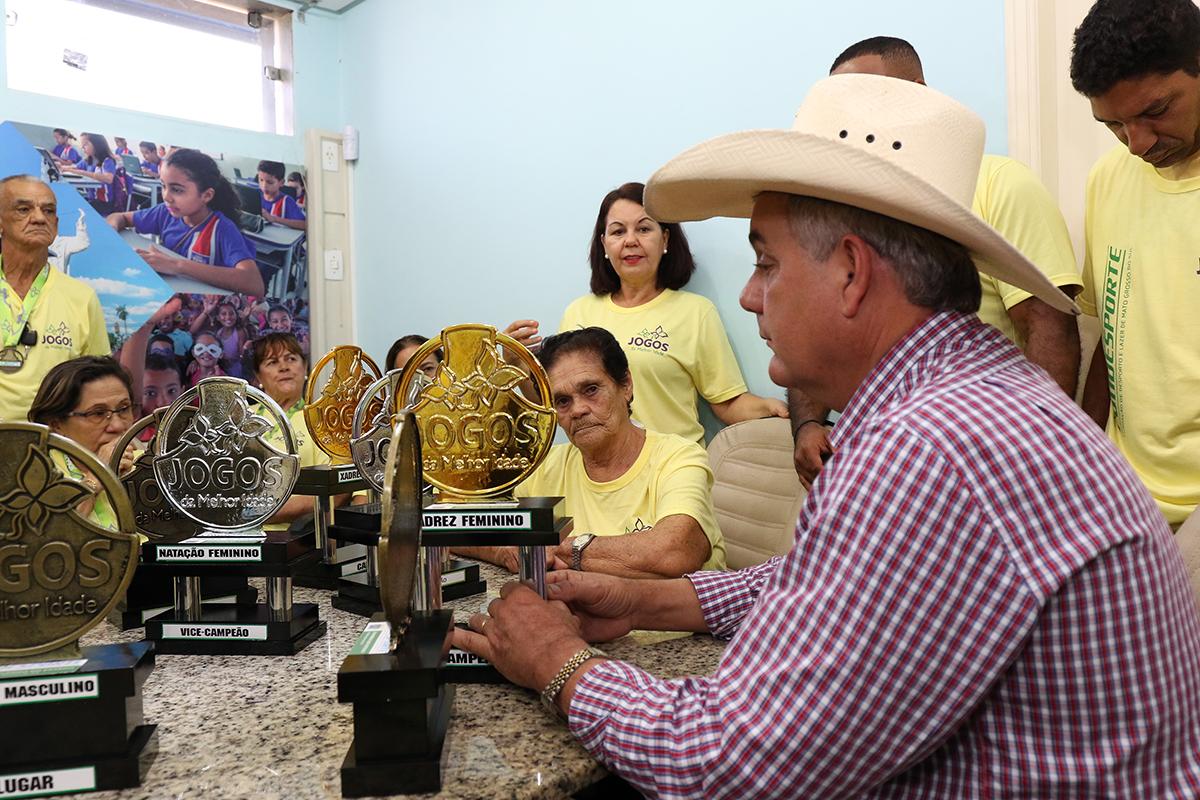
(193, 254)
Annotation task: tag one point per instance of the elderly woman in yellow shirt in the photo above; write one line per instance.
(641, 500)
(89, 400)
(278, 363)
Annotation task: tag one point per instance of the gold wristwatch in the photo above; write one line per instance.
(554, 688)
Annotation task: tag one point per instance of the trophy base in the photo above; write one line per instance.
(85, 775)
(151, 593)
(80, 729)
(233, 630)
(401, 711)
(356, 594)
(349, 560)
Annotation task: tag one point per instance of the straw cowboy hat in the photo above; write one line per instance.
(890, 146)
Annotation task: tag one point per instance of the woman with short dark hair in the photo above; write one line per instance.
(90, 401)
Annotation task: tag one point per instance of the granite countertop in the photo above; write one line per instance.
(271, 727)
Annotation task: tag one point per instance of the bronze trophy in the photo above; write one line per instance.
(215, 466)
(329, 403)
(151, 591)
(72, 716)
(392, 675)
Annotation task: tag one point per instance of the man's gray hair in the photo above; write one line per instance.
(934, 271)
(20, 177)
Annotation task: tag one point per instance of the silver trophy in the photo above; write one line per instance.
(215, 465)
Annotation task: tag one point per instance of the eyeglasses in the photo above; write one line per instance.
(99, 416)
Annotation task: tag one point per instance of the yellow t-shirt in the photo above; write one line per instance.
(1010, 198)
(69, 324)
(306, 448)
(670, 476)
(1142, 279)
(676, 347)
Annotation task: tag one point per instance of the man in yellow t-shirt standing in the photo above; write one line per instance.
(1009, 197)
(1138, 62)
(46, 317)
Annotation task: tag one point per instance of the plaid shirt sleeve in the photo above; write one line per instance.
(855, 656)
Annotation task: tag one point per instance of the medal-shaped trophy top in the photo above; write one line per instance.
(329, 415)
(214, 462)
(480, 434)
(371, 434)
(400, 537)
(155, 518)
(62, 572)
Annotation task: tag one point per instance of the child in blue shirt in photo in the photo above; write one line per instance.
(278, 207)
(121, 146)
(99, 164)
(195, 222)
(63, 151)
(150, 158)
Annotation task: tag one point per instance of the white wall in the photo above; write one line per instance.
(490, 132)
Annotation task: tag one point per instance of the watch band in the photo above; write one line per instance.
(554, 688)
(580, 544)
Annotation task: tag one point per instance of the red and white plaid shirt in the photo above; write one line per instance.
(982, 601)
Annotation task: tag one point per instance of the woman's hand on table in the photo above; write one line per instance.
(525, 637)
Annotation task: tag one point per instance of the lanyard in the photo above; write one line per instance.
(15, 312)
(102, 513)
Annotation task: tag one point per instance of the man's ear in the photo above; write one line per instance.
(856, 258)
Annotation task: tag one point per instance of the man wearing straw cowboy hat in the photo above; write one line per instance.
(982, 599)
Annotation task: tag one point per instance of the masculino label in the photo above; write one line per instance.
(49, 690)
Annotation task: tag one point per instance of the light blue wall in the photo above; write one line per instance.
(317, 99)
(491, 130)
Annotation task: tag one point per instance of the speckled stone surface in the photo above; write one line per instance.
(271, 727)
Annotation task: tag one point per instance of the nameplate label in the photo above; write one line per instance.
(461, 658)
(49, 690)
(375, 639)
(354, 568)
(451, 578)
(208, 552)
(347, 475)
(242, 633)
(38, 784)
(476, 520)
(31, 668)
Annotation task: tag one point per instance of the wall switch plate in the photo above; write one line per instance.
(329, 155)
(334, 269)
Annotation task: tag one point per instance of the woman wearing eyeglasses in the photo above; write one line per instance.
(90, 400)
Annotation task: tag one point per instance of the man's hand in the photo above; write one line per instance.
(603, 604)
(812, 448)
(525, 637)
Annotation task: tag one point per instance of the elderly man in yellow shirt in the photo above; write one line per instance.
(46, 317)
(641, 500)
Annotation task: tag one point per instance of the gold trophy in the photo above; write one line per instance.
(485, 425)
(329, 416)
(61, 572)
